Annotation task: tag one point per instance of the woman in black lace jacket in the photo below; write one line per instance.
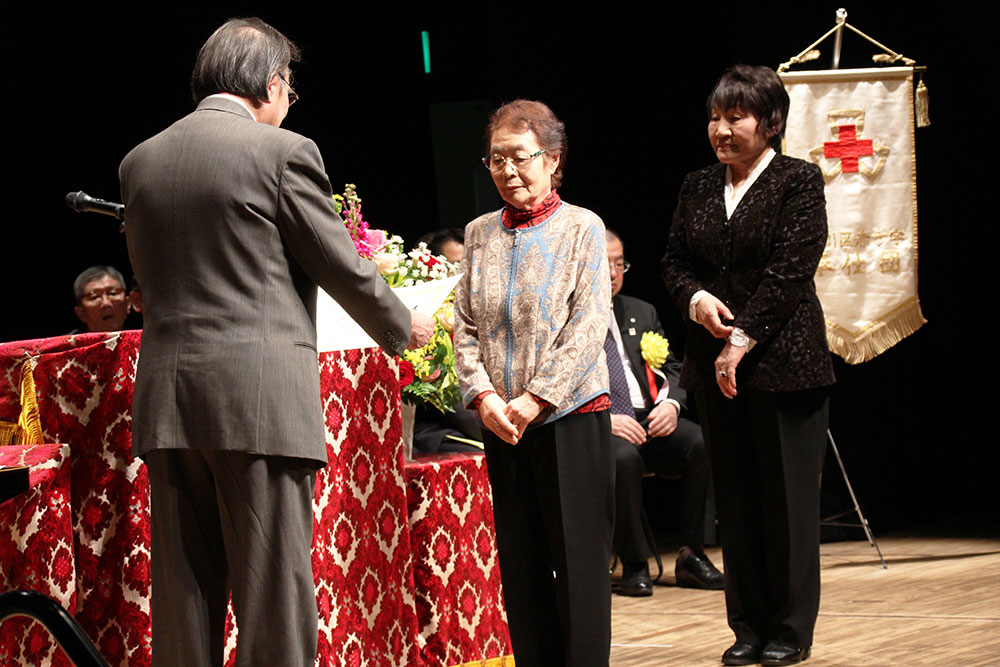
(746, 238)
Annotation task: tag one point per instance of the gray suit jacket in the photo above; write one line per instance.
(230, 228)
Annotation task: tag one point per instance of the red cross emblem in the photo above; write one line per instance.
(848, 148)
(842, 155)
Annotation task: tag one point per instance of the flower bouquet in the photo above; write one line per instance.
(426, 375)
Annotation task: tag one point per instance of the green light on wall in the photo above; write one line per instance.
(425, 37)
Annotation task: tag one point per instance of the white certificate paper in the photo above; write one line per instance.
(335, 330)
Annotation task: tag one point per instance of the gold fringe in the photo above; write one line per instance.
(878, 337)
(922, 104)
(503, 661)
(8, 433)
(28, 429)
(30, 421)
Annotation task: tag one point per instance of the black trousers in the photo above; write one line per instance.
(679, 455)
(553, 505)
(766, 450)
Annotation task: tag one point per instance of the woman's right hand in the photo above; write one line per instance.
(491, 414)
(710, 312)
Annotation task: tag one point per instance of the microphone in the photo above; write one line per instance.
(81, 201)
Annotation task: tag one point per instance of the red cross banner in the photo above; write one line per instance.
(857, 125)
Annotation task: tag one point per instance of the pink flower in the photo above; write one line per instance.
(377, 238)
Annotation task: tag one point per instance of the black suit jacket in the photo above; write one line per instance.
(761, 264)
(634, 318)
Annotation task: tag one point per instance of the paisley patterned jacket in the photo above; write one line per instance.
(760, 263)
(533, 308)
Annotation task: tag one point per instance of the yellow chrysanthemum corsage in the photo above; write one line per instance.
(655, 349)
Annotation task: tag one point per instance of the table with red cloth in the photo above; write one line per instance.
(455, 569)
(373, 595)
(36, 549)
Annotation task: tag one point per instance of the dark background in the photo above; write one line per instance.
(629, 80)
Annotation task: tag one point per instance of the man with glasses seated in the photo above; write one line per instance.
(651, 432)
(100, 299)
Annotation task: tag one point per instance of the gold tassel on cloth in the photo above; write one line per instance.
(28, 429)
(8, 433)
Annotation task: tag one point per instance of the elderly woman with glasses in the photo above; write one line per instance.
(747, 236)
(533, 310)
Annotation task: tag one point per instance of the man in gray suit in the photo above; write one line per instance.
(230, 229)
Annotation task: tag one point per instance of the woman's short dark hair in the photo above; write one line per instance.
(756, 89)
(524, 115)
(240, 58)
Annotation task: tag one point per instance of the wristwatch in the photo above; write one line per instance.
(739, 338)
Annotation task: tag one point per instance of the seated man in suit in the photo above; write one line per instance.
(100, 299)
(651, 432)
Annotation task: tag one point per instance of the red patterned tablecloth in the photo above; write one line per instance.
(36, 550)
(387, 596)
(361, 543)
(456, 575)
(84, 388)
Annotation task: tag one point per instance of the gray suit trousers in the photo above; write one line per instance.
(234, 521)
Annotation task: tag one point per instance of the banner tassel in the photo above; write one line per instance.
(922, 105)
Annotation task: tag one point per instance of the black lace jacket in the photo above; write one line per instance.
(761, 264)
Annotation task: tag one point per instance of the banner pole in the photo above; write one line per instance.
(838, 39)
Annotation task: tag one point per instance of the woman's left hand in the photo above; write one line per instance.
(725, 368)
(522, 411)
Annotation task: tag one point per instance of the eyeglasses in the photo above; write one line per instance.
(621, 266)
(97, 295)
(497, 162)
(293, 96)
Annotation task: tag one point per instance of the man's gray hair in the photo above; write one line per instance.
(95, 273)
(241, 58)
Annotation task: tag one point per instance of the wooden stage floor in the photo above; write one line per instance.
(938, 603)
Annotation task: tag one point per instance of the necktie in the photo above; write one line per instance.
(621, 402)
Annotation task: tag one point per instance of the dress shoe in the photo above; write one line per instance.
(696, 571)
(741, 653)
(776, 653)
(636, 582)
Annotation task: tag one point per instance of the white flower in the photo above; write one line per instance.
(387, 262)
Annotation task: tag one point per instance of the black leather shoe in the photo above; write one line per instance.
(776, 653)
(697, 571)
(741, 653)
(636, 582)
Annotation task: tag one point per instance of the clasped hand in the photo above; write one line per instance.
(662, 422)
(508, 420)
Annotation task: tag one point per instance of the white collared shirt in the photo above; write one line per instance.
(733, 195)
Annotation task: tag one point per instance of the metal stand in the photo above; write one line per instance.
(57, 620)
(833, 520)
